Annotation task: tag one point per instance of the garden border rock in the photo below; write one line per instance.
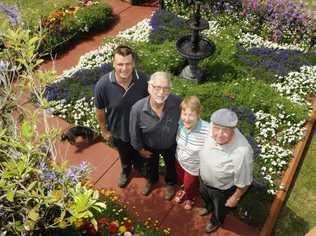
(287, 179)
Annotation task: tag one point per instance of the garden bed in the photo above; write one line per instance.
(59, 24)
(270, 101)
(288, 176)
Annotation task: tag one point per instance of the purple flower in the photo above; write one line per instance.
(12, 12)
(49, 176)
(164, 24)
(56, 92)
(76, 173)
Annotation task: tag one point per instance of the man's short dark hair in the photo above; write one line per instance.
(124, 51)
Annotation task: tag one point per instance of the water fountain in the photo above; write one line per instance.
(193, 47)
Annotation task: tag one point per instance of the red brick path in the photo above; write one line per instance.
(105, 159)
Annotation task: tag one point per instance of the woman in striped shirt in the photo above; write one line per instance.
(190, 140)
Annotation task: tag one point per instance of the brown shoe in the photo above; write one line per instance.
(148, 188)
(170, 192)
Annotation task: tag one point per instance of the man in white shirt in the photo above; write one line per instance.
(225, 167)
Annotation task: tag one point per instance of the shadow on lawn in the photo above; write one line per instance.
(291, 224)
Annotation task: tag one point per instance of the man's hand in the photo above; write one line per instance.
(232, 201)
(106, 135)
(145, 153)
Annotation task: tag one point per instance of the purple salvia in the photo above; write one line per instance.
(12, 12)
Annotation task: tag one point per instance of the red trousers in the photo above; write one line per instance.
(190, 182)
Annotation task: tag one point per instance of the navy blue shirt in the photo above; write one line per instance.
(149, 131)
(117, 102)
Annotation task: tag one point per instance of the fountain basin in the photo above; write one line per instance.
(185, 49)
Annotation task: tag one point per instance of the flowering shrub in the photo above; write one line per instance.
(298, 86)
(115, 220)
(73, 22)
(166, 26)
(277, 20)
(139, 32)
(275, 136)
(288, 20)
(249, 40)
(78, 112)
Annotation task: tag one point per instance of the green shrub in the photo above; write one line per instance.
(255, 95)
(163, 57)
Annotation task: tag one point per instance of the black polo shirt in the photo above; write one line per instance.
(117, 101)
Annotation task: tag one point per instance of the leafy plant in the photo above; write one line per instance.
(36, 194)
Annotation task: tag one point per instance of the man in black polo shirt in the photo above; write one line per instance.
(115, 93)
(153, 129)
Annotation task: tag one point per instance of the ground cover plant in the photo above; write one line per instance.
(59, 21)
(271, 102)
(39, 193)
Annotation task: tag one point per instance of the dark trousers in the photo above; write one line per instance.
(216, 199)
(152, 165)
(128, 155)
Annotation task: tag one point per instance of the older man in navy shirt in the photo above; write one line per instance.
(153, 129)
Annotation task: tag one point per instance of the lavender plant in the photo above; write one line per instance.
(166, 26)
(12, 13)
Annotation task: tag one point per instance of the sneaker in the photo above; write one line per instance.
(170, 192)
(188, 204)
(202, 211)
(148, 188)
(123, 180)
(211, 227)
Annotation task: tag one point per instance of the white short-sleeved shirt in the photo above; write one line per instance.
(223, 166)
(189, 144)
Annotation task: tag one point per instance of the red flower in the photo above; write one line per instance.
(128, 226)
(102, 221)
(91, 230)
(113, 227)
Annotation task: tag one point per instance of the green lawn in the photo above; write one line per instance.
(31, 10)
(298, 215)
(311, 4)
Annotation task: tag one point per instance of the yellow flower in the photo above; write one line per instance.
(52, 19)
(78, 223)
(62, 224)
(122, 229)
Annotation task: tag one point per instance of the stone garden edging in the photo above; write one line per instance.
(288, 176)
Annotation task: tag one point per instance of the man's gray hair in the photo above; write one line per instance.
(160, 75)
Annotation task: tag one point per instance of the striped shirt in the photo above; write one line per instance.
(189, 144)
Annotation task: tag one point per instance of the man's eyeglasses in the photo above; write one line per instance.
(158, 88)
